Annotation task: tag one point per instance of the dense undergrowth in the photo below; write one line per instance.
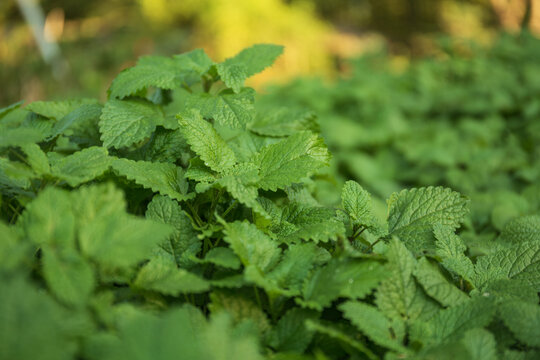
(182, 219)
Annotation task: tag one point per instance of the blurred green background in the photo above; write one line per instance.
(99, 38)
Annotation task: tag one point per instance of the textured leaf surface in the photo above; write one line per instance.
(158, 71)
(127, 122)
(449, 324)
(522, 229)
(234, 71)
(398, 297)
(222, 256)
(290, 160)
(227, 109)
(37, 159)
(372, 323)
(451, 249)
(206, 142)
(162, 275)
(341, 278)
(57, 109)
(436, 285)
(165, 178)
(308, 223)
(82, 166)
(481, 344)
(356, 201)
(520, 264)
(412, 213)
(290, 333)
(78, 117)
(183, 244)
(523, 319)
(252, 246)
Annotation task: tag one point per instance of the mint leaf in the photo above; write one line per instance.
(352, 279)
(523, 319)
(227, 109)
(127, 122)
(372, 323)
(165, 178)
(290, 160)
(82, 166)
(183, 244)
(162, 275)
(235, 70)
(413, 213)
(206, 142)
(356, 201)
(436, 285)
(69, 276)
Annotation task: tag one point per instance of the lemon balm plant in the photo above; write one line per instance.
(175, 221)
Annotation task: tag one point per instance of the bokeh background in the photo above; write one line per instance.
(96, 39)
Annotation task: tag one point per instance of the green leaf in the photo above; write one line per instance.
(240, 183)
(6, 110)
(520, 264)
(522, 229)
(296, 265)
(337, 334)
(36, 158)
(436, 285)
(162, 275)
(78, 117)
(206, 142)
(372, 323)
(290, 160)
(253, 247)
(398, 297)
(57, 109)
(413, 213)
(165, 178)
(69, 276)
(110, 236)
(449, 324)
(32, 325)
(127, 122)
(195, 61)
(159, 71)
(82, 166)
(356, 201)
(234, 71)
(49, 219)
(14, 174)
(183, 244)
(227, 109)
(222, 256)
(308, 223)
(353, 279)
(240, 308)
(179, 331)
(20, 136)
(481, 344)
(451, 249)
(523, 319)
(290, 333)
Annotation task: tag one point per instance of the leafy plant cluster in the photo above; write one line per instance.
(182, 220)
